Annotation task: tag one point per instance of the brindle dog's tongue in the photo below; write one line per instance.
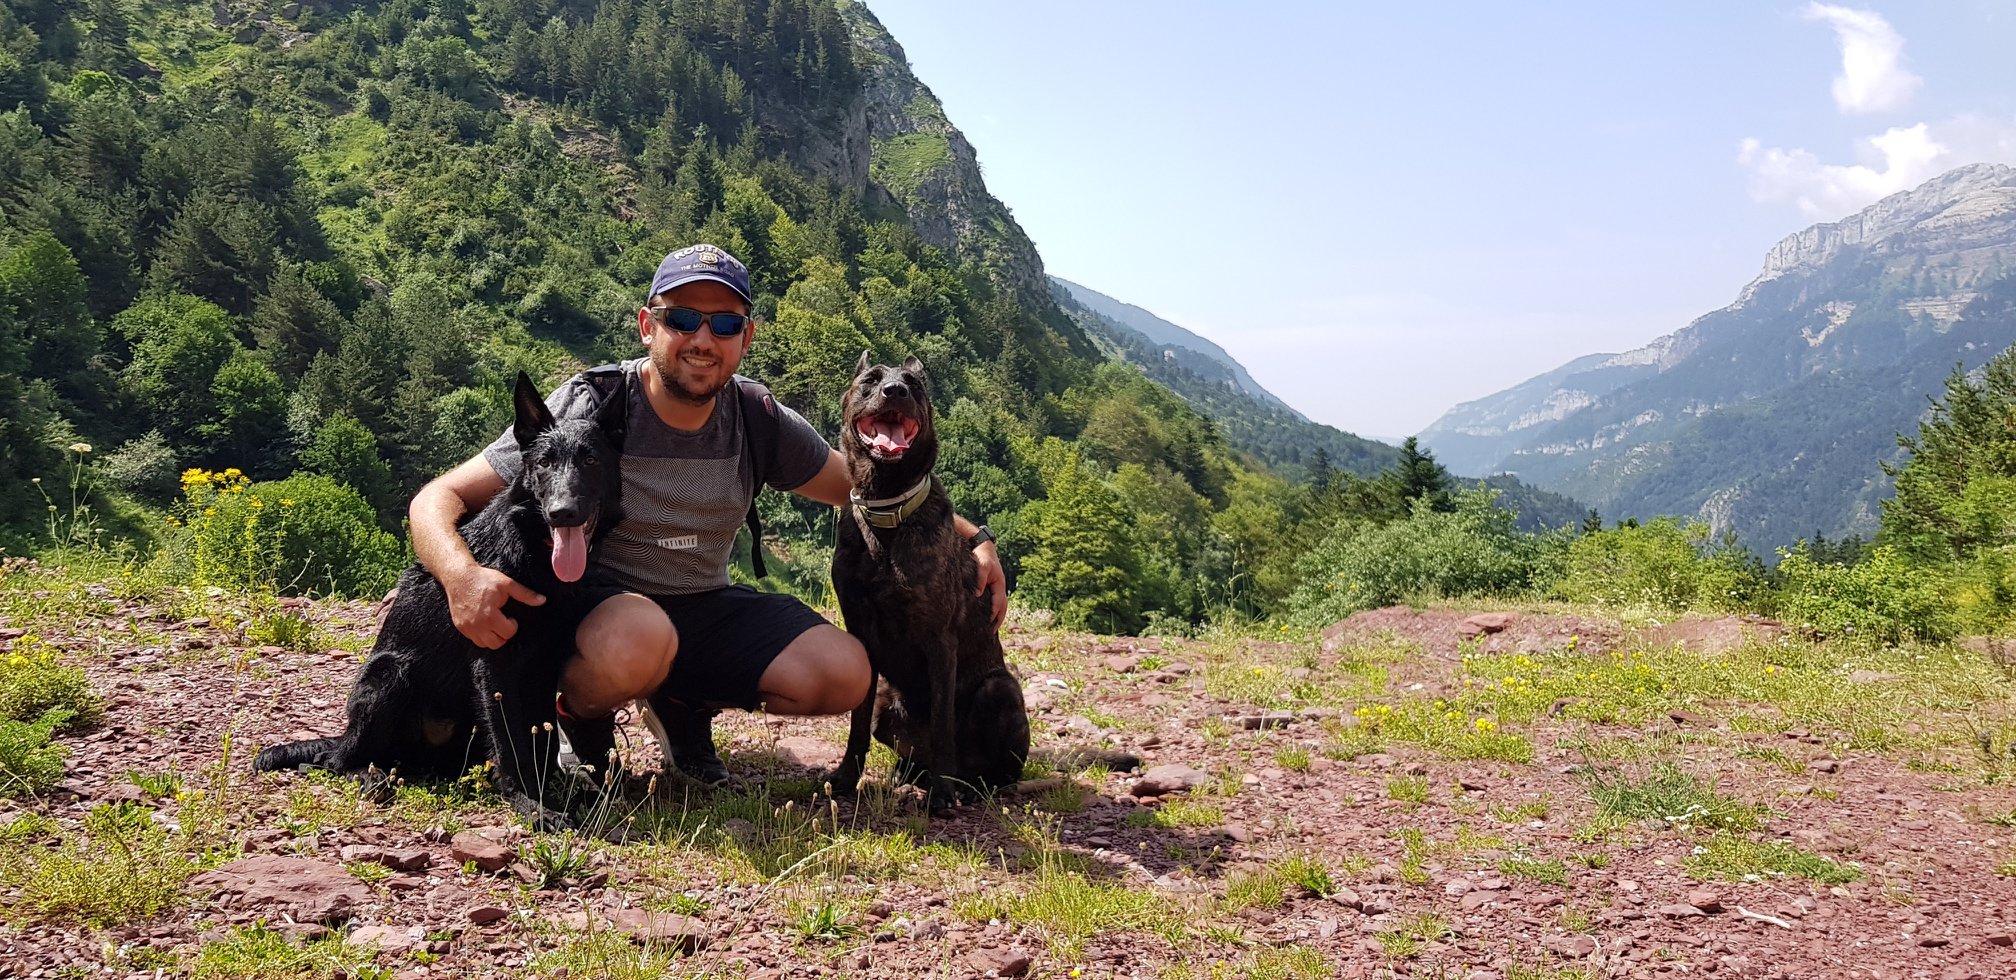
(885, 435)
(570, 553)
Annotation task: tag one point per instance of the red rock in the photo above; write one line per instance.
(1346, 897)
(1000, 962)
(410, 859)
(307, 890)
(680, 932)
(1483, 624)
(1705, 899)
(488, 854)
(486, 914)
(1474, 900)
(393, 939)
(1163, 780)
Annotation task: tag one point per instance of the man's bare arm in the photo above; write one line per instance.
(476, 594)
(831, 484)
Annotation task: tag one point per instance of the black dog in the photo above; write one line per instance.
(948, 706)
(427, 693)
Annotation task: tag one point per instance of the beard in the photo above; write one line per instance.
(679, 380)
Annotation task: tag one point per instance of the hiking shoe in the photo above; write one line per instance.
(687, 738)
(585, 743)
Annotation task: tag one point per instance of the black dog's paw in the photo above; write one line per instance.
(844, 780)
(379, 787)
(949, 793)
(538, 816)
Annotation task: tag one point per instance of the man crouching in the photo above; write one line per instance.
(667, 627)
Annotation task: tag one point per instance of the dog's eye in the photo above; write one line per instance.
(588, 458)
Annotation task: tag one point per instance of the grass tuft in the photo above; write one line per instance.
(259, 952)
(1734, 857)
(121, 866)
(1674, 796)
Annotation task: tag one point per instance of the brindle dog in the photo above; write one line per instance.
(947, 703)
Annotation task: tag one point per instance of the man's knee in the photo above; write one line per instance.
(624, 650)
(823, 672)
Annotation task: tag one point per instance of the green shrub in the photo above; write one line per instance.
(121, 866)
(1663, 564)
(304, 534)
(28, 763)
(1471, 550)
(1884, 599)
(35, 681)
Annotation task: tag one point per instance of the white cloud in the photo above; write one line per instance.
(1898, 159)
(1873, 77)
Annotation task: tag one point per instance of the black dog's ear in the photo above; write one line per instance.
(914, 366)
(861, 366)
(532, 414)
(614, 418)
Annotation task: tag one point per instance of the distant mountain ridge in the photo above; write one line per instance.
(1193, 352)
(1769, 415)
(1200, 372)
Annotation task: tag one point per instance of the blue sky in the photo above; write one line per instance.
(1384, 211)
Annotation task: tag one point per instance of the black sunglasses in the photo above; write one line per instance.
(688, 321)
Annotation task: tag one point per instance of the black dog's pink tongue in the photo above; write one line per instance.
(570, 553)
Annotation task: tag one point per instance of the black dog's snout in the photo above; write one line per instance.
(895, 389)
(566, 514)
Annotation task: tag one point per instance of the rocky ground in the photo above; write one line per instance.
(1437, 793)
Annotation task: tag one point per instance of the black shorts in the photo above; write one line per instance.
(727, 639)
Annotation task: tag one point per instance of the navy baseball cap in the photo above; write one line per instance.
(697, 262)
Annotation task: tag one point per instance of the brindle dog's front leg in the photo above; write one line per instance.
(846, 778)
(941, 754)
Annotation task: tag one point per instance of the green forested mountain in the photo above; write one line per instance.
(321, 237)
(1764, 417)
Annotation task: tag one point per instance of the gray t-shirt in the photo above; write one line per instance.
(685, 494)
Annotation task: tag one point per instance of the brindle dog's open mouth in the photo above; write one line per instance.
(887, 434)
(570, 550)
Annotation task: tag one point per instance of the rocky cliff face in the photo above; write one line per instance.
(922, 163)
(1956, 211)
(1853, 310)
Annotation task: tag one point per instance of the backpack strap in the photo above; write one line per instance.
(759, 431)
(605, 381)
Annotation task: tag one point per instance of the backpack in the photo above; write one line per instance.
(759, 434)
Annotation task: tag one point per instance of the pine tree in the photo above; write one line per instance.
(1417, 476)
(1943, 510)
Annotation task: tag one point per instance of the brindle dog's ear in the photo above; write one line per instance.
(915, 366)
(532, 414)
(861, 366)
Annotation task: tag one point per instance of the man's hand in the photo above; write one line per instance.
(476, 600)
(992, 577)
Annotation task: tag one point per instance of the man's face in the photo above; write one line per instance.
(695, 366)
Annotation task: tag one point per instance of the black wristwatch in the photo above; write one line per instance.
(980, 537)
